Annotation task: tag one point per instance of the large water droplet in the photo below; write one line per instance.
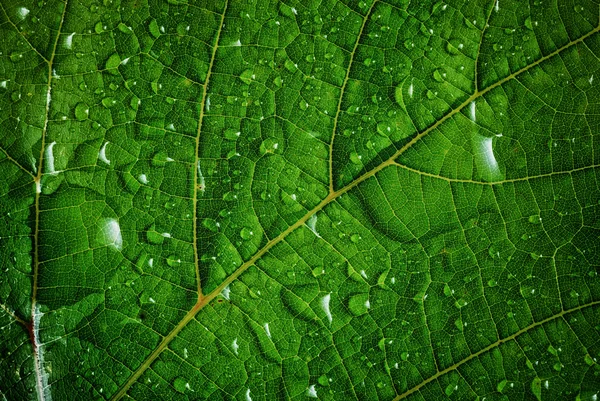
(153, 236)
(211, 224)
(246, 233)
(355, 158)
(271, 146)
(359, 304)
(181, 384)
(81, 111)
(173, 261)
(439, 75)
(109, 102)
(247, 76)
(231, 134)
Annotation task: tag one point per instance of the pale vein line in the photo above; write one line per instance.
(339, 106)
(196, 166)
(9, 157)
(13, 315)
(491, 183)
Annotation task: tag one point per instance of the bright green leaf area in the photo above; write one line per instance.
(334, 200)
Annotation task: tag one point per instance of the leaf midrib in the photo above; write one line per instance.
(33, 330)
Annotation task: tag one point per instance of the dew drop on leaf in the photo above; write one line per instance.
(180, 384)
(359, 304)
(246, 233)
(173, 261)
(211, 224)
(231, 134)
(82, 111)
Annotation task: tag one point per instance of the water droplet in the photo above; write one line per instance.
(231, 134)
(492, 283)
(246, 233)
(229, 196)
(211, 225)
(355, 158)
(111, 234)
(535, 219)
(385, 129)
(589, 360)
(528, 23)
(108, 102)
(470, 24)
(271, 146)
(536, 388)
(173, 261)
(323, 380)
(438, 75)
(355, 238)
(82, 111)
(153, 236)
(124, 28)
(359, 304)
(99, 27)
(16, 57)
(112, 63)
(500, 386)
(452, 47)
(180, 384)
(160, 159)
(450, 389)
(153, 28)
(247, 76)
(447, 290)
(460, 303)
(289, 65)
(22, 12)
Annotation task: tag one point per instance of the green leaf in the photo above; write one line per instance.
(262, 200)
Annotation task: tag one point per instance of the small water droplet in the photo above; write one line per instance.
(246, 233)
(173, 261)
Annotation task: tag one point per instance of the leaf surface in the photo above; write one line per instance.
(264, 200)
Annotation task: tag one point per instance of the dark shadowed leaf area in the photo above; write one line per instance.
(296, 200)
